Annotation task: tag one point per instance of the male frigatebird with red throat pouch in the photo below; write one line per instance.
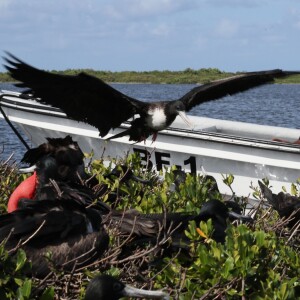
(66, 165)
(89, 99)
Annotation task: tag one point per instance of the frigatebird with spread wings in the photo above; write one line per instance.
(89, 99)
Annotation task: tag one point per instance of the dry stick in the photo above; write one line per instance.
(8, 159)
(294, 232)
(228, 288)
(158, 243)
(208, 292)
(28, 239)
(80, 256)
(100, 261)
(32, 236)
(255, 209)
(193, 296)
(117, 250)
(71, 276)
(182, 279)
(96, 200)
(266, 213)
(243, 289)
(89, 179)
(55, 185)
(36, 289)
(132, 257)
(159, 272)
(8, 237)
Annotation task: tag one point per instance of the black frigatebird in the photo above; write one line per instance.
(89, 99)
(286, 205)
(48, 170)
(105, 287)
(62, 160)
(72, 233)
(68, 157)
(59, 159)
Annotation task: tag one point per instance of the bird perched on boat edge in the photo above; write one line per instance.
(105, 287)
(89, 99)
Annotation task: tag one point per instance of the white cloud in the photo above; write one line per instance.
(147, 34)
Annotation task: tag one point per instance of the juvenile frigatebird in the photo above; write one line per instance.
(88, 99)
(105, 287)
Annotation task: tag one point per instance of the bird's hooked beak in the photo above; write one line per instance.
(240, 217)
(184, 117)
(27, 170)
(130, 291)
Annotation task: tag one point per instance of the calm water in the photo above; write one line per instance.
(275, 104)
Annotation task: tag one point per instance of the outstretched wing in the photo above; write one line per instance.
(82, 97)
(229, 86)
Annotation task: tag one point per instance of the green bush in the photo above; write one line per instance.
(258, 261)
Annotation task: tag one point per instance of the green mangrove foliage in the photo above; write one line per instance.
(257, 261)
(168, 77)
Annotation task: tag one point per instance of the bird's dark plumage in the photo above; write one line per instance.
(66, 228)
(65, 150)
(215, 210)
(88, 99)
(105, 287)
(67, 160)
(67, 218)
(285, 204)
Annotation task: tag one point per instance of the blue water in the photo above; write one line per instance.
(274, 104)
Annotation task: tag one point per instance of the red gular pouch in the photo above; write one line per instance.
(26, 189)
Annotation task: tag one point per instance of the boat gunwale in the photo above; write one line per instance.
(32, 106)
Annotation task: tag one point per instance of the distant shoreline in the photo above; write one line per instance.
(187, 76)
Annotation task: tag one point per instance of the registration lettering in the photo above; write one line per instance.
(162, 159)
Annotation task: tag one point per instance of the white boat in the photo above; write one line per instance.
(214, 146)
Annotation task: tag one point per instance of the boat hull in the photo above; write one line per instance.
(214, 147)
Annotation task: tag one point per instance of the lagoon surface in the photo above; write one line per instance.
(271, 104)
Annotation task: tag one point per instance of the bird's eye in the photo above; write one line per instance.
(117, 286)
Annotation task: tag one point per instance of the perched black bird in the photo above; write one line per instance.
(60, 159)
(213, 209)
(72, 233)
(68, 158)
(49, 184)
(65, 150)
(67, 222)
(105, 287)
(286, 205)
(88, 99)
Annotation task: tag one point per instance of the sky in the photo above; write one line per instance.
(145, 35)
